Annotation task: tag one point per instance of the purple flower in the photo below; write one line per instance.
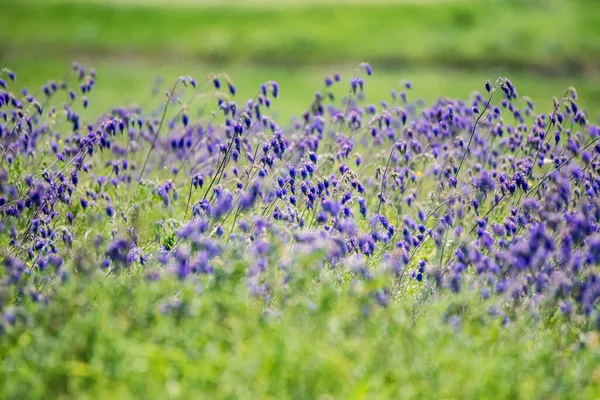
(232, 88)
(488, 86)
(223, 205)
(565, 307)
(275, 89)
(331, 207)
(485, 182)
(117, 250)
(367, 68)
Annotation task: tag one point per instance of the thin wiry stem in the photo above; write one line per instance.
(487, 104)
(187, 206)
(537, 187)
(162, 120)
(381, 200)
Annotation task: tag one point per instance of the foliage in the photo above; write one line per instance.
(203, 248)
(552, 36)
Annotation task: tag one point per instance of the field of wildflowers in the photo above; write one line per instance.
(197, 246)
(335, 232)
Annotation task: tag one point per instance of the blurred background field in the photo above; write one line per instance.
(445, 47)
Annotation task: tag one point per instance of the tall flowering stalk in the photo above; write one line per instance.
(241, 186)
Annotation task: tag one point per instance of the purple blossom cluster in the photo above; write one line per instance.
(492, 194)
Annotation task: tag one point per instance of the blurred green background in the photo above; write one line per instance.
(445, 47)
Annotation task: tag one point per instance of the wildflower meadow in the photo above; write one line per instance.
(196, 244)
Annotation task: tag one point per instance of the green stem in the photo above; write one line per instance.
(162, 120)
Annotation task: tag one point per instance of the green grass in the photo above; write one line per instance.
(545, 36)
(131, 81)
(108, 338)
(445, 48)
